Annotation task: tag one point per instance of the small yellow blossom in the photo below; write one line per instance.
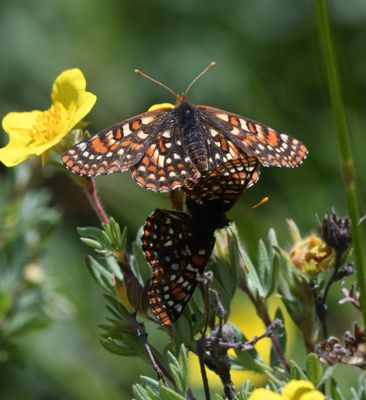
(312, 255)
(162, 105)
(294, 390)
(35, 132)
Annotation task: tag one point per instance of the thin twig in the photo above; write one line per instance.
(93, 197)
(251, 343)
(219, 308)
(141, 333)
(262, 312)
(205, 279)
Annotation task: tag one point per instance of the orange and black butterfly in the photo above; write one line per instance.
(178, 245)
(172, 145)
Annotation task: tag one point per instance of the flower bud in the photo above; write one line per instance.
(336, 231)
(312, 255)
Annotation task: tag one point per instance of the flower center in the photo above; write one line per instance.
(47, 125)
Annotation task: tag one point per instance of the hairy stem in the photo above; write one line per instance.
(343, 138)
(93, 197)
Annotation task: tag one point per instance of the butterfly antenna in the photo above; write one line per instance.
(138, 72)
(260, 202)
(209, 66)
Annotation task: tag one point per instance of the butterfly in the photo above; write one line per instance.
(171, 145)
(178, 245)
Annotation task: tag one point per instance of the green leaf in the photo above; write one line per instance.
(94, 244)
(294, 230)
(218, 397)
(95, 234)
(176, 371)
(113, 232)
(254, 283)
(151, 383)
(314, 369)
(144, 269)
(169, 394)
(296, 372)
(114, 267)
(99, 273)
(140, 392)
(184, 366)
(274, 275)
(326, 375)
(335, 391)
(263, 264)
(152, 394)
(241, 396)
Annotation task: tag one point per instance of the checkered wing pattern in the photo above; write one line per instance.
(271, 147)
(150, 144)
(166, 164)
(177, 255)
(218, 192)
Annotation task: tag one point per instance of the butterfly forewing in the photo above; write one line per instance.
(271, 147)
(176, 256)
(169, 147)
(116, 148)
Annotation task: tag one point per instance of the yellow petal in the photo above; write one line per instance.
(295, 389)
(18, 127)
(313, 395)
(264, 394)
(162, 105)
(69, 91)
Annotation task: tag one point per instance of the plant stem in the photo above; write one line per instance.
(321, 303)
(200, 354)
(141, 333)
(92, 194)
(262, 312)
(344, 146)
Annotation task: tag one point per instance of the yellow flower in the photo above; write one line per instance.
(35, 132)
(312, 255)
(294, 390)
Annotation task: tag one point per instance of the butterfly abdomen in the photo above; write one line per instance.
(189, 121)
(197, 150)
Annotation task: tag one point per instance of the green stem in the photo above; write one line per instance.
(343, 137)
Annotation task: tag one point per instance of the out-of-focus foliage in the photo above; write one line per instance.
(269, 68)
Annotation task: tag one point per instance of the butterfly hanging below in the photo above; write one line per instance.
(178, 245)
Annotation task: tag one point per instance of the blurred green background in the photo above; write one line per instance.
(269, 68)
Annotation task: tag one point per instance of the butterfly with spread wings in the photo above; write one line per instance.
(178, 245)
(168, 147)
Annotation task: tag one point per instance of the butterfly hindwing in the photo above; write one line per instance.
(271, 147)
(166, 164)
(177, 256)
(218, 192)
